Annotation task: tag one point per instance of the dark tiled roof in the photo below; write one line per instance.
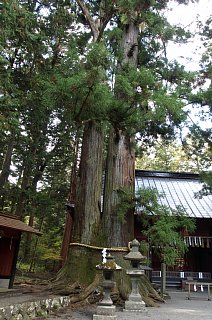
(178, 189)
(13, 222)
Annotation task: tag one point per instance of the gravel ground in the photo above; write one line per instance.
(176, 308)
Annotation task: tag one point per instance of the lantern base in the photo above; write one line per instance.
(133, 306)
(105, 313)
(101, 317)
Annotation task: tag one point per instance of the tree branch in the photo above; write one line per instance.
(91, 22)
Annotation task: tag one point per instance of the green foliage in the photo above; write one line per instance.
(145, 249)
(206, 178)
(147, 200)
(126, 202)
(165, 234)
(163, 226)
(50, 254)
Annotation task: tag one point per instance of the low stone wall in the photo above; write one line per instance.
(31, 310)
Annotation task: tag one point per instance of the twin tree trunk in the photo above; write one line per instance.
(92, 226)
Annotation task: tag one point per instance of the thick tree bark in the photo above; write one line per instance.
(88, 198)
(130, 44)
(120, 174)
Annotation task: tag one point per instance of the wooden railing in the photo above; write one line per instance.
(176, 278)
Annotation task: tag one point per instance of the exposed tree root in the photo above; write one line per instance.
(88, 291)
(80, 293)
(66, 289)
(71, 280)
(147, 291)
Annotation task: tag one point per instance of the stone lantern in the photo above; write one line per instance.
(135, 302)
(106, 309)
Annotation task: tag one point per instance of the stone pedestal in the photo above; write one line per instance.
(135, 302)
(105, 313)
(105, 310)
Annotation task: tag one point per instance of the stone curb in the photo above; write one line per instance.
(31, 310)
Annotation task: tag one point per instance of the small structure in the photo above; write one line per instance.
(179, 189)
(10, 236)
(106, 309)
(135, 302)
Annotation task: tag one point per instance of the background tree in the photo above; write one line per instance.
(191, 148)
(31, 49)
(173, 156)
(200, 133)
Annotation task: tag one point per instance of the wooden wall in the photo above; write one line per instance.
(8, 243)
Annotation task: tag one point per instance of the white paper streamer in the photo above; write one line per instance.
(104, 254)
(200, 277)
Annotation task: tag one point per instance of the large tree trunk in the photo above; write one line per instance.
(80, 266)
(120, 176)
(67, 236)
(6, 164)
(87, 212)
(21, 203)
(6, 169)
(89, 189)
(32, 205)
